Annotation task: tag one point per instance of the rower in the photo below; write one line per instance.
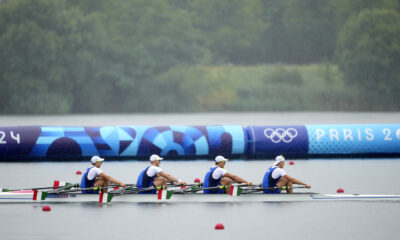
(218, 176)
(277, 177)
(153, 175)
(95, 177)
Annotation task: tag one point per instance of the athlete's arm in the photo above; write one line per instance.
(296, 181)
(108, 178)
(237, 178)
(172, 178)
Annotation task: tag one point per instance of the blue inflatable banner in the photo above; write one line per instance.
(269, 141)
(74, 143)
(175, 142)
(17, 142)
(354, 139)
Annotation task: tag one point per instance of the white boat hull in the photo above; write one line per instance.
(27, 197)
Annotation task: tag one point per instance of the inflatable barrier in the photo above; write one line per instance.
(366, 140)
(324, 140)
(135, 142)
(178, 142)
(270, 141)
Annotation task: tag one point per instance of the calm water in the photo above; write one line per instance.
(321, 220)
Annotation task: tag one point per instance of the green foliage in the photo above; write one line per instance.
(285, 76)
(73, 56)
(62, 56)
(369, 56)
(230, 28)
(256, 88)
(31, 70)
(310, 30)
(344, 9)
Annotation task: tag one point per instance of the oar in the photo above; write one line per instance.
(183, 185)
(132, 190)
(117, 185)
(67, 185)
(77, 189)
(221, 187)
(190, 188)
(270, 188)
(129, 190)
(199, 187)
(168, 185)
(162, 193)
(61, 191)
(236, 190)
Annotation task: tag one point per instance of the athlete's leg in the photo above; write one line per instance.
(226, 181)
(160, 181)
(285, 182)
(101, 182)
(290, 189)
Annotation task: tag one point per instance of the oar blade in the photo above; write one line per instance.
(195, 189)
(109, 197)
(235, 190)
(44, 196)
(164, 194)
(68, 186)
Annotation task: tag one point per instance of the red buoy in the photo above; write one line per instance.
(56, 184)
(219, 226)
(291, 163)
(340, 190)
(197, 180)
(78, 172)
(46, 208)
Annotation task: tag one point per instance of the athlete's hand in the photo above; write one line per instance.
(249, 183)
(122, 184)
(180, 183)
(307, 185)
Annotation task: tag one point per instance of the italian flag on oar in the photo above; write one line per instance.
(235, 190)
(164, 194)
(56, 185)
(104, 196)
(63, 185)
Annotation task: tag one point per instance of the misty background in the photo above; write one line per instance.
(139, 56)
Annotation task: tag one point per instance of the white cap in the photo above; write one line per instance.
(155, 157)
(96, 159)
(220, 159)
(279, 159)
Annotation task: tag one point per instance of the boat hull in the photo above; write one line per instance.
(27, 197)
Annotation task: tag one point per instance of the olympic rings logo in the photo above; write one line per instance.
(280, 134)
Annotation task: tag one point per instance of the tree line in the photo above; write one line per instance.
(73, 56)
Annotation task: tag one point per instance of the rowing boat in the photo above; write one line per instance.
(28, 197)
